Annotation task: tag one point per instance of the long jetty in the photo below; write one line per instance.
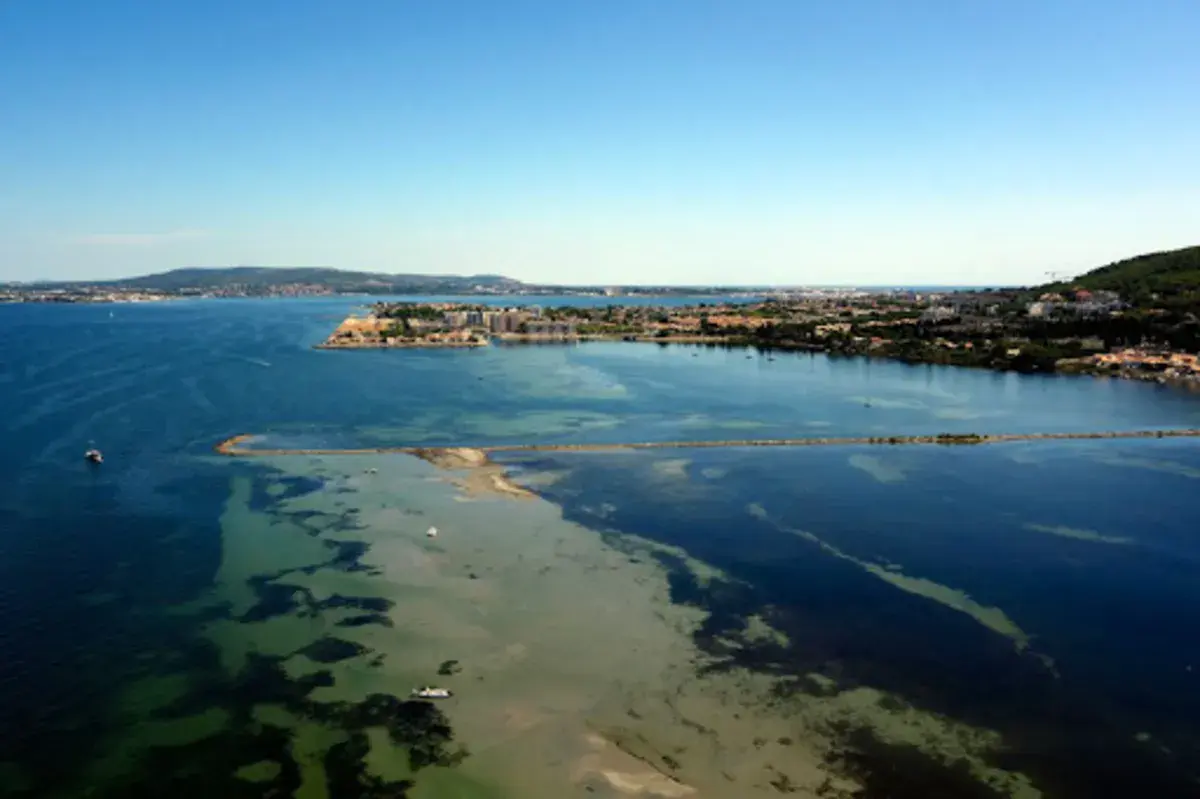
(235, 446)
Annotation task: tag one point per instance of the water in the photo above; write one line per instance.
(1024, 607)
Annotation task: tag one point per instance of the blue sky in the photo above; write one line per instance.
(673, 141)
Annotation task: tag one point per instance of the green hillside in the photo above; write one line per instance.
(1163, 289)
(1171, 275)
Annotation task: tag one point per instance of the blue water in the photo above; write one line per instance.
(88, 557)
(1112, 617)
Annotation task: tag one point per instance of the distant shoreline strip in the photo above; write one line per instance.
(235, 446)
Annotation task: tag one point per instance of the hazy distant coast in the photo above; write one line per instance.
(288, 281)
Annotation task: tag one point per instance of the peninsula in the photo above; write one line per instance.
(413, 326)
(1136, 319)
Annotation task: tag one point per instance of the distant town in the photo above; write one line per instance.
(254, 281)
(105, 294)
(1079, 331)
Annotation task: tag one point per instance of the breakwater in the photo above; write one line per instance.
(236, 446)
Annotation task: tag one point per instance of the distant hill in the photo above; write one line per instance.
(1168, 274)
(259, 278)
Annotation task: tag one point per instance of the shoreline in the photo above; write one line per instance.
(393, 344)
(347, 336)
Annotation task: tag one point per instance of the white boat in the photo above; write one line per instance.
(431, 532)
(93, 456)
(432, 693)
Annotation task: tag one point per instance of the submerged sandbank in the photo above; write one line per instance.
(478, 474)
(574, 673)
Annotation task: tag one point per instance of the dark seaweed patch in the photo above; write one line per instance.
(262, 500)
(278, 599)
(348, 555)
(364, 619)
(901, 771)
(366, 603)
(274, 599)
(208, 768)
(331, 650)
(418, 726)
(346, 774)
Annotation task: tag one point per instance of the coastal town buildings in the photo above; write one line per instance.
(1072, 332)
(1169, 365)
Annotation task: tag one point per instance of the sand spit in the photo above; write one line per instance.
(481, 477)
(233, 446)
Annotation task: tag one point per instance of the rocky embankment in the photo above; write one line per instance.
(477, 457)
(372, 332)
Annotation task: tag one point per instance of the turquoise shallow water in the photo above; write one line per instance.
(862, 556)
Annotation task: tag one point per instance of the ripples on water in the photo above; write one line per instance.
(1020, 610)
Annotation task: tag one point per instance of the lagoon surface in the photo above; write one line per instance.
(1007, 620)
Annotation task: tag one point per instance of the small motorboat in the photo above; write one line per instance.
(93, 456)
(432, 693)
(431, 532)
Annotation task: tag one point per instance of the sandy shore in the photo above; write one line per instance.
(480, 476)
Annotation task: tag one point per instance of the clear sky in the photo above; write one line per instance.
(670, 141)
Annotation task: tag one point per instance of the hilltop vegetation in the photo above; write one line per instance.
(1159, 279)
